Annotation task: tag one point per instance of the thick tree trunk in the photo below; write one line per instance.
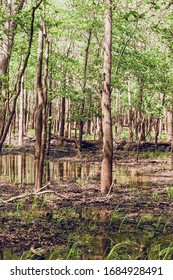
(41, 116)
(106, 169)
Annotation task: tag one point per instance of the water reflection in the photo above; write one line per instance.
(17, 168)
(67, 170)
(20, 169)
(91, 245)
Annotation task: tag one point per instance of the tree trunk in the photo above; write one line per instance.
(49, 114)
(21, 115)
(106, 169)
(67, 123)
(41, 116)
(81, 122)
(169, 125)
(62, 126)
(156, 128)
(130, 114)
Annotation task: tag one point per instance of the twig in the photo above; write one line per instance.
(110, 189)
(44, 187)
(46, 191)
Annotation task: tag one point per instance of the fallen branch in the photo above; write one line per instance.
(32, 194)
(16, 197)
(24, 195)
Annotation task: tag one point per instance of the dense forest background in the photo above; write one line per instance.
(51, 72)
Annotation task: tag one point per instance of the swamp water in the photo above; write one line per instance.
(20, 169)
(91, 232)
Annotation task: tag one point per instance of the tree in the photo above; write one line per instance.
(41, 109)
(6, 45)
(8, 102)
(106, 169)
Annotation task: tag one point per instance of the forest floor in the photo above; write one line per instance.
(31, 219)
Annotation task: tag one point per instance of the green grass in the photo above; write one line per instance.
(169, 192)
(158, 252)
(74, 252)
(115, 214)
(122, 223)
(128, 250)
(35, 201)
(155, 154)
(121, 251)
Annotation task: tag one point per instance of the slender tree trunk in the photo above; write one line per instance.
(49, 132)
(49, 113)
(62, 125)
(140, 121)
(26, 113)
(169, 125)
(156, 128)
(63, 101)
(67, 123)
(81, 122)
(106, 169)
(21, 114)
(130, 114)
(139, 138)
(160, 129)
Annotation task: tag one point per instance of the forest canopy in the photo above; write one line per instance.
(52, 59)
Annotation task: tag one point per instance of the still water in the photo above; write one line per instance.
(20, 169)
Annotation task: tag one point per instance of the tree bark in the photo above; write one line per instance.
(41, 115)
(106, 169)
